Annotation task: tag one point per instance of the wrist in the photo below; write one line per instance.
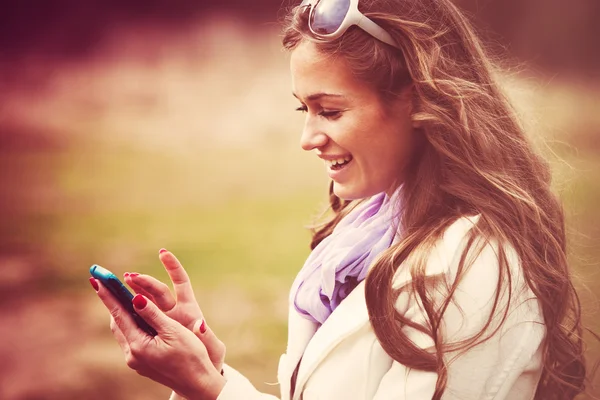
(208, 388)
(216, 387)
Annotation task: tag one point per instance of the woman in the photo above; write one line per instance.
(442, 272)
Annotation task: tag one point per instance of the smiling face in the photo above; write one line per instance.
(365, 146)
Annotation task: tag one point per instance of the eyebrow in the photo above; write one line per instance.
(317, 96)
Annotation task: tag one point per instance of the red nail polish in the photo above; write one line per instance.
(133, 274)
(162, 251)
(126, 274)
(94, 284)
(203, 326)
(139, 302)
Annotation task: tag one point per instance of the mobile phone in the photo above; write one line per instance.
(121, 293)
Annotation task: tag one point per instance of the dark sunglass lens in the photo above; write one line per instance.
(328, 15)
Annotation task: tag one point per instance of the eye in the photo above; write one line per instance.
(302, 109)
(333, 114)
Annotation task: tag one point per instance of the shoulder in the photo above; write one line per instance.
(438, 258)
(461, 243)
(482, 279)
(474, 270)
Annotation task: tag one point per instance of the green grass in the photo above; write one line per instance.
(242, 251)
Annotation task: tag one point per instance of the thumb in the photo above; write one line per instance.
(152, 314)
(216, 348)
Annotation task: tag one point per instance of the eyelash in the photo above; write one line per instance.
(325, 114)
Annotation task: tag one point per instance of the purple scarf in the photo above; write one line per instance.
(341, 261)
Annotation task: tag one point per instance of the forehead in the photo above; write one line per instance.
(315, 72)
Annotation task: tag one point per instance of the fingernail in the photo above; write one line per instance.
(139, 302)
(133, 274)
(94, 284)
(203, 326)
(162, 251)
(126, 274)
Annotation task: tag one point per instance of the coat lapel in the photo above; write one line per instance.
(300, 332)
(346, 319)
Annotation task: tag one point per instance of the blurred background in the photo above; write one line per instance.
(130, 126)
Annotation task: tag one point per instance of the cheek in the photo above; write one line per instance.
(379, 149)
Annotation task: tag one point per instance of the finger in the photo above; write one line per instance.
(136, 288)
(179, 277)
(123, 320)
(130, 359)
(154, 316)
(128, 277)
(210, 341)
(119, 336)
(155, 290)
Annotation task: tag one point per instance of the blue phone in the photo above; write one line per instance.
(121, 293)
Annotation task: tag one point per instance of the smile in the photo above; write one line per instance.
(339, 163)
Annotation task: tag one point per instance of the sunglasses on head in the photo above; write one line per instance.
(329, 19)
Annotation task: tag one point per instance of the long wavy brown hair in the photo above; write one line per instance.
(472, 159)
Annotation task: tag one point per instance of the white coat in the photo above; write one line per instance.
(344, 360)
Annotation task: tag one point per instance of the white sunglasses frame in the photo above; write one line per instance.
(353, 17)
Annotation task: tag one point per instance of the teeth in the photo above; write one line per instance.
(340, 161)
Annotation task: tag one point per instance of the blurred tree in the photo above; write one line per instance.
(27, 177)
(555, 34)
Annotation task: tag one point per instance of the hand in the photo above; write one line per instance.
(175, 357)
(182, 307)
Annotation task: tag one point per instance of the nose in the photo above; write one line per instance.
(312, 137)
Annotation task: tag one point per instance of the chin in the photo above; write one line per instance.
(348, 192)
